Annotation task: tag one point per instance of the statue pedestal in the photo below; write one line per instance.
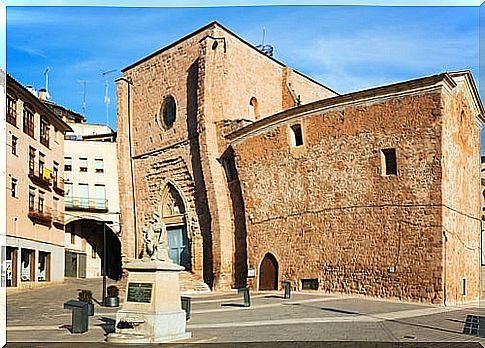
(151, 312)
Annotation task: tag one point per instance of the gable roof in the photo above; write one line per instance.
(217, 24)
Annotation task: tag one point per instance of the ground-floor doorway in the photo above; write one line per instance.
(268, 273)
(86, 241)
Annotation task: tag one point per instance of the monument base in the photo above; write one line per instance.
(152, 310)
(138, 327)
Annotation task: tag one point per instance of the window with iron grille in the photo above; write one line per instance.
(31, 160)
(12, 110)
(14, 144)
(44, 132)
(40, 206)
(31, 198)
(28, 121)
(55, 173)
(41, 164)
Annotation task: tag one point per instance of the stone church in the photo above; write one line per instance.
(262, 174)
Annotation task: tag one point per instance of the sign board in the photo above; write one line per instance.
(251, 272)
(139, 292)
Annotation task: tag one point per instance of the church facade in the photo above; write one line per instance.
(262, 174)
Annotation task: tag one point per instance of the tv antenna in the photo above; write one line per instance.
(84, 82)
(46, 76)
(106, 96)
(266, 49)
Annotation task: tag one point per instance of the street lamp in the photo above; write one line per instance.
(104, 259)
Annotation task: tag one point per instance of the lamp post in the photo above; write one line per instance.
(104, 260)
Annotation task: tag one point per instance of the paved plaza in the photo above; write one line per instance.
(37, 315)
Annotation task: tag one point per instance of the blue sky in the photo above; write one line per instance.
(345, 47)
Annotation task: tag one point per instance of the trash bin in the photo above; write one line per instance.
(247, 299)
(287, 289)
(79, 315)
(186, 306)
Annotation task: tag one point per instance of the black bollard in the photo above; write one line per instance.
(247, 299)
(287, 289)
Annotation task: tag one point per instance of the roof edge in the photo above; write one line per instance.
(344, 98)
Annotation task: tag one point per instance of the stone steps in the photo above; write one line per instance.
(191, 283)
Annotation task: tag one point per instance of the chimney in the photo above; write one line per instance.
(43, 94)
(31, 90)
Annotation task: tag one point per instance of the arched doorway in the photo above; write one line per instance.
(85, 247)
(268, 273)
(173, 215)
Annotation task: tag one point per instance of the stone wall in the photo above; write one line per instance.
(212, 75)
(461, 194)
(325, 210)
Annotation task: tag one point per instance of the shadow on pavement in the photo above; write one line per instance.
(108, 325)
(66, 326)
(339, 311)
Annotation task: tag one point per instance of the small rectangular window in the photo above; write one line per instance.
(296, 135)
(389, 162)
(14, 144)
(13, 187)
(83, 164)
(309, 284)
(67, 164)
(94, 252)
(98, 162)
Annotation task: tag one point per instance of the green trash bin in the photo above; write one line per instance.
(79, 315)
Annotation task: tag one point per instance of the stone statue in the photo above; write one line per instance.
(156, 240)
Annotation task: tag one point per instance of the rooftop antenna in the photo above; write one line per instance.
(46, 75)
(106, 96)
(84, 82)
(266, 49)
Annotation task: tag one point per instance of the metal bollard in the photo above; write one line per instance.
(79, 315)
(186, 303)
(247, 299)
(287, 289)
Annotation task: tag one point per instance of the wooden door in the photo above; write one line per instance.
(268, 273)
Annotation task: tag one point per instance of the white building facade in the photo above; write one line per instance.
(91, 202)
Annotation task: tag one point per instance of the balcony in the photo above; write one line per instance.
(41, 178)
(58, 218)
(94, 205)
(43, 217)
(58, 185)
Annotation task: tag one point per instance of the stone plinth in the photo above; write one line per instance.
(151, 312)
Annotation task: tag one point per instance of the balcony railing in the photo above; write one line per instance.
(41, 177)
(58, 185)
(86, 204)
(43, 216)
(58, 218)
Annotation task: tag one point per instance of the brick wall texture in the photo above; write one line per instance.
(323, 210)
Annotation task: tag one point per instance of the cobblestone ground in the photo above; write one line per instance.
(37, 315)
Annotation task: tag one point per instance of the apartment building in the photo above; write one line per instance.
(91, 201)
(35, 197)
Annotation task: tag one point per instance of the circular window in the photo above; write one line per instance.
(168, 112)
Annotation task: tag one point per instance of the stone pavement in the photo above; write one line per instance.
(37, 315)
